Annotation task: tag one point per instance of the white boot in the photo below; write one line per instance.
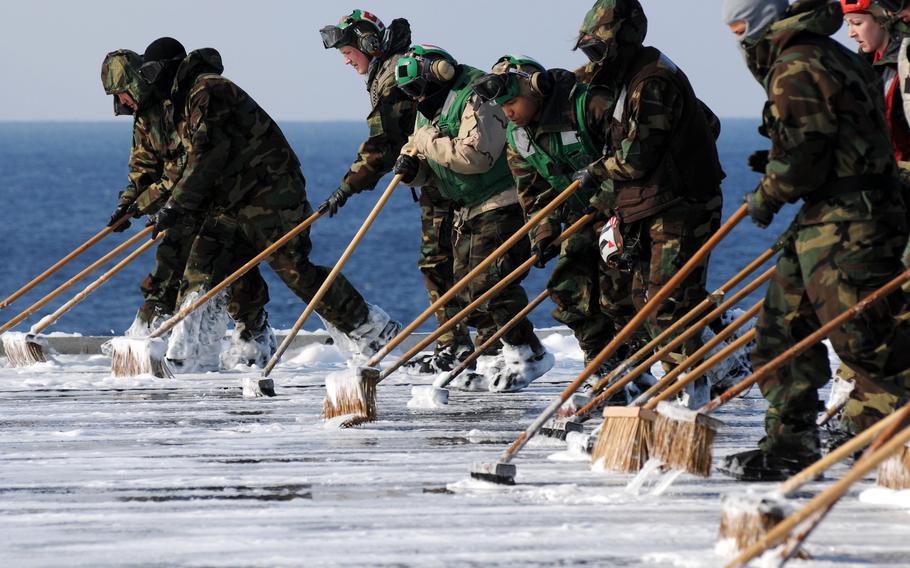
(522, 366)
(478, 379)
(250, 347)
(195, 342)
(367, 338)
(143, 328)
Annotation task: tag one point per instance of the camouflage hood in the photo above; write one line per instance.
(198, 62)
(620, 24)
(813, 17)
(120, 74)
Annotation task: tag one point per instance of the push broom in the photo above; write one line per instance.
(746, 519)
(824, 501)
(339, 399)
(624, 441)
(25, 349)
(146, 355)
(503, 471)
(75, 279)
(684, 438)
(608, 387)
(365, 378)
(63, 261)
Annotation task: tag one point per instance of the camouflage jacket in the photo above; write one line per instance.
(156, 156)
(234, 150)
(824, 115)
(557, 112)
(391, 118)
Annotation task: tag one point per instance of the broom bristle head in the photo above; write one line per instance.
(131, 356)
(24, 349)
(683, 439)
(624, 441)
(894, 472)
(746, 519)
(351, 393)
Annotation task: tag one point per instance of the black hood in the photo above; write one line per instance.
(198, 62)
(395, 41)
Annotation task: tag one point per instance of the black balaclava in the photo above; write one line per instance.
(170, 51)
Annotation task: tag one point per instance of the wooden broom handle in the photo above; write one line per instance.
(336, 270)
(645, 365)
(667, 381)
(825, 499)
(700, 370)
(626, 332)
(478, 352)
(184, 312)
(476, 271)
(808, 341)
(483, 298)
(51, 319)
(72, 281)
(844, 451)
(693, 313)
(63, 261)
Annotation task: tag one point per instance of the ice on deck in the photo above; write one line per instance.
(97, 471)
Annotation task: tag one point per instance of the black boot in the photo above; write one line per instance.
(756, 465)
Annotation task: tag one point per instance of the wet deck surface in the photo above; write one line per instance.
(185, 472)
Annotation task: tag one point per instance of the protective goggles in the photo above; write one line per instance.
(594, 49)
(152, 71)
(499, 88)
(333, 36)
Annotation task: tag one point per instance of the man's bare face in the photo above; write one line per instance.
(356, 59)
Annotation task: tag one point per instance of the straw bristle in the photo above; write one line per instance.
(623, 444)
(23, 349)
(684, 439)
(352, 395)
(139, 356)
(894, 472)
(745, 520)
(684, 445)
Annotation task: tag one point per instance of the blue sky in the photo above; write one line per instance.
(52, 49)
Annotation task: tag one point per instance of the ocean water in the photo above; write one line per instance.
(59, 184)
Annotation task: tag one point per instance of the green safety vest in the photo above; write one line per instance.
(570, 151)
(467, 190)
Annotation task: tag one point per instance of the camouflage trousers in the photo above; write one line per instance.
(474, 240)
(665, 243)
(592, 299)
(226, 241)
(161, 288)
(436, 261)
(823, 270)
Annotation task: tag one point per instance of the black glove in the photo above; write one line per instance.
(587, 182)
(758, 161)
(166, 218)
(122, 209)
(335, 201)
(407, 167)
(545, 251)
(761, 213)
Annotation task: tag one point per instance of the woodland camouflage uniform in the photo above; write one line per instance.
(662, 160)
(243, 176)
(391, 121)
(156, 162)
(830, 148)
(592, 299)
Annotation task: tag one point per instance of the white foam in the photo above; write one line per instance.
(428, 397)
(886, 497)
(564, 347)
